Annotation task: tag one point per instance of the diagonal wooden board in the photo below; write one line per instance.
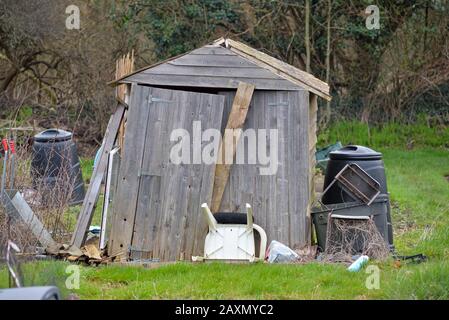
(90, 200)
(236, 120)
(16, 206)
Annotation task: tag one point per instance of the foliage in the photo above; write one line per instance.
(376, 74)
(176, 26)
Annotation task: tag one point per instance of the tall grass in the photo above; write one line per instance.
(420, 134)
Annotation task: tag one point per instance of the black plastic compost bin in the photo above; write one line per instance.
(55, 166)
(370, 161)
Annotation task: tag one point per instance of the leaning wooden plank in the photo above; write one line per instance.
(87, 209)
(17, 206)
(236, 120)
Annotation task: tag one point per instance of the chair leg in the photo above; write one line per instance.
(209, 217)
(249, 216)
(263, 241)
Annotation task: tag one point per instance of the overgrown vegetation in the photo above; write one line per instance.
(60, 76)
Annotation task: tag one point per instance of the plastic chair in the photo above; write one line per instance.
(232, 238)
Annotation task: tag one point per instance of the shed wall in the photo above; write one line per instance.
(280, 201)
(158, 217)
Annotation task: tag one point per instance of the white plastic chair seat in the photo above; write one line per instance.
(232, 241)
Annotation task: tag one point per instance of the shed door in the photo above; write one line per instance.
(157, 207)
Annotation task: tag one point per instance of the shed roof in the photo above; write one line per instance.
(223, 64)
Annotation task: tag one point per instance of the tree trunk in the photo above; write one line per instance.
(307, 35)
(9, 77)
(328, 59)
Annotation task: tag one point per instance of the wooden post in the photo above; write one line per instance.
(236, 120)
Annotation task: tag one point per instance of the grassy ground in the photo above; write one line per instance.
(420, 195)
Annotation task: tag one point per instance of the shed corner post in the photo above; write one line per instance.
(313, 118)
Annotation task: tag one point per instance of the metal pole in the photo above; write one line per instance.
(5, 162)
(12, 149)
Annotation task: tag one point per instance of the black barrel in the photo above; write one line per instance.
(55, 167)
(370, 161)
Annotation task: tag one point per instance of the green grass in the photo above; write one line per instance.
(421, 134)
(420, 196)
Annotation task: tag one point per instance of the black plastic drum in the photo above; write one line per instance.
(55, 166)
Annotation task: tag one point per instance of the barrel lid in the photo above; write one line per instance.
(53, 135)
(354, 152)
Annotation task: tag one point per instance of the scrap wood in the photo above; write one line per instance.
(307, 254)
(16, 207)
(89, 254)
(72, 258)
(124, 66)
(92, 252)
(64, 250)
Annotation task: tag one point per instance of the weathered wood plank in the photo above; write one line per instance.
(213, 61)
(163, 160)
(93, 191)
(300, 228)
(203, 114)
(125, 201)
(210, 82)
(236, 120)
(214, 116)
(213, 50)
(210, 71)
(17, 205)
(282, 197)
(281, 68)
(279, 200)
(168, 224)
(150, 173)
(313, 114)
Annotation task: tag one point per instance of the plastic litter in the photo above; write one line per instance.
(95, 230)
(278, 253)
(358, 264)
(322, 155)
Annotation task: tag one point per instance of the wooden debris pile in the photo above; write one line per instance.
(88, 254)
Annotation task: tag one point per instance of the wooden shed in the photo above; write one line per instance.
(156, 208)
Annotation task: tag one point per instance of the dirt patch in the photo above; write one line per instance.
(446, 177)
